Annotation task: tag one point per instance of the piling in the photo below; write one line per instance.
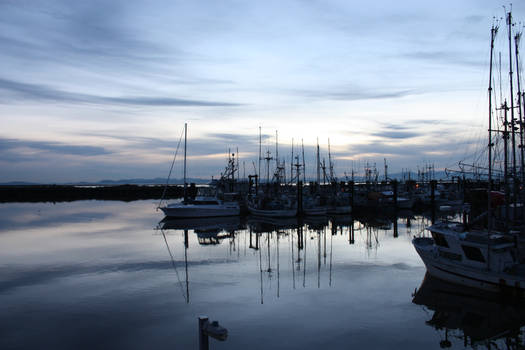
(299, 198)
(203, 337)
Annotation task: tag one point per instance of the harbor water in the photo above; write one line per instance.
(111, 275)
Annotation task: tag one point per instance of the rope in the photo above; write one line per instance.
(171, 169)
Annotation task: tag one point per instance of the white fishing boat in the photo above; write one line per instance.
(201, 206)
(472, 258)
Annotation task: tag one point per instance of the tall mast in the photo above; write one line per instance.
(386, 170)
(304, 167)
(506, 160)
(277, 150)
(291, 164)
(493, 32)
(509, 22)
(330, 162)
(185, 147)
(318, 167)
(517, 38)
(260, 155)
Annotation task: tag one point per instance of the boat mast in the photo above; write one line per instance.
(260, 156)
(505, 160)
(185, 148)
(493, 32)
(318, 167)
(330, 162)
(512, 129)
(291, 165)
(517, 38)
(304, 165)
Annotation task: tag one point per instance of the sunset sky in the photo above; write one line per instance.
(93, 90)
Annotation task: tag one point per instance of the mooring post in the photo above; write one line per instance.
(299, 198)
(207, 329)
(203, 338)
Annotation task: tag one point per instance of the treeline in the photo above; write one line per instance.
(67, 193)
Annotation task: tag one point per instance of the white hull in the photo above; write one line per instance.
(463, 275)
(277, 213)
(200, 211)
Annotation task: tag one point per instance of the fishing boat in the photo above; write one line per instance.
(484, 258)
(200, 206)
(471, 257)
(275, 208)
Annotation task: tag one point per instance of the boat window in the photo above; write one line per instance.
(439, 239)
(473, 253)
(449, 255)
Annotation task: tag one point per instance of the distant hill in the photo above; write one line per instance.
(138, 181)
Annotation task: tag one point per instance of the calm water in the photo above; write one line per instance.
(95, 274)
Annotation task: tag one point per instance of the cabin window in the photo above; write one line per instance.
(450, 255)
(439, 239)
(473, 253)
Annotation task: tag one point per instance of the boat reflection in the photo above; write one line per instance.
(287, 253)
(471, 317)
(209, 231)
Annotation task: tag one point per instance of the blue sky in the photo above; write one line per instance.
(101, 89)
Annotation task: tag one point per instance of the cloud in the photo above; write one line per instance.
(353, 94)
(37, 92)
(445, 57)
(396, 134)
(13, 150)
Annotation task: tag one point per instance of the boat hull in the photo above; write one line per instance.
(440, 268)
(200, 211)
(277, 213)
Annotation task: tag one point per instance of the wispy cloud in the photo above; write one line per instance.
(353, 94)
(23, 91)
(25, 150)
(445, 58)
(396, 134)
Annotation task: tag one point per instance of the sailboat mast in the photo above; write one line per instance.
(318, 167)
(260, 155)
(291, 164)
(506, 159)
(493, 33)
(185, 148)
(330, 162)
(517, 38)
(304, 165)
(509, 22)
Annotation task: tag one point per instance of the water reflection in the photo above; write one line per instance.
(94, 274)
(468, 317)
(304, 245)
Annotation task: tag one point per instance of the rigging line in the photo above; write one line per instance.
(171, 169)
(174, 267)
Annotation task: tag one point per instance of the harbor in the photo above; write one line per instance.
(282, 175)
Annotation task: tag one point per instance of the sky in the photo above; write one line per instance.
(93, 90)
